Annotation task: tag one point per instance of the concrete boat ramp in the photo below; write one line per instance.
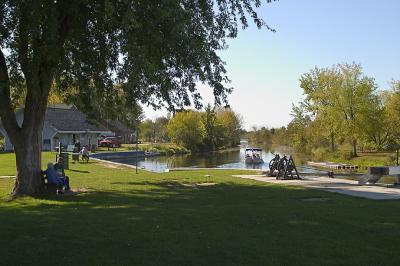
(337, 185)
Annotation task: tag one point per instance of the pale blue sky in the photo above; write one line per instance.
(265, 67)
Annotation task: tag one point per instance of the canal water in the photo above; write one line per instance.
(233, 158)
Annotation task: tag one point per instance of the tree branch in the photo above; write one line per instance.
(7, 114)
(23, 43)
(47, 49)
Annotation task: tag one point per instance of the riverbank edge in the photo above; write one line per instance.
(163, 152)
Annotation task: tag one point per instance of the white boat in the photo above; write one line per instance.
(253, 156)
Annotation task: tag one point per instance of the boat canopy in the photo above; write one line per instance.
(253, 149)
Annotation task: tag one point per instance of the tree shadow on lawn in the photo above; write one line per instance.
(164, 222)
(80, 162)
(79, 171)
(169, 184)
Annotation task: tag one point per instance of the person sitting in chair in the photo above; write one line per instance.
(85, 154)
(55, 179)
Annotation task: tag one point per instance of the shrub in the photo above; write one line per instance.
(319, 154)
(344, 155)
(170, 152)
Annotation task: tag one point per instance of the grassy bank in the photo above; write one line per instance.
(121, 218)
(363, 160)
(162, 148)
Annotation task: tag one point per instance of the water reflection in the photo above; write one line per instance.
(233, 158)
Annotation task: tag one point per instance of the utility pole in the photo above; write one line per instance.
(137, 149)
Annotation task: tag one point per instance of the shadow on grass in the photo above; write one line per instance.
(162, 184)
(79, 171)
(83, 162)
(165, 222)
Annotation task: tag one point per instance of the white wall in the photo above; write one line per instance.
(90, 138)
(64, 138)
(47, 135)
(67, 139)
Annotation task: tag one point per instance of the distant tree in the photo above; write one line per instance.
(280, 136)
(253, 135)
(186, 129)
(156, 50)
(392, 109)
(357, 101)
(213, 130)
(260, 135)
(232, 124)
(298, 128)
(147, 130)
(160, 129)
(322, 88)
(376, 127)
(342, 100)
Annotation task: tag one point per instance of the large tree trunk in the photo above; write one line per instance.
(26, 138)
(28, 150)
(38, 49)
(332, 142)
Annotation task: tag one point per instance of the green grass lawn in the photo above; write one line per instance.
(363, 160)
(366, 159)
(7, 162)
(165, 219)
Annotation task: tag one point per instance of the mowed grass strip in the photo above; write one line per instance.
(123, 218)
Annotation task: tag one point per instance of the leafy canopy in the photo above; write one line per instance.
(343, 102)
(157, 50)
(186, 129)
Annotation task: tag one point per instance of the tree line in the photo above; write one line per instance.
(341, 106)
(212, 129)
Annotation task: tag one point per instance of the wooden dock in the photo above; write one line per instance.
(331, 165)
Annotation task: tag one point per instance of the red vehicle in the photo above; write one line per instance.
(110, 142)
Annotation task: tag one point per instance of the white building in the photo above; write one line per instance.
(65, 124)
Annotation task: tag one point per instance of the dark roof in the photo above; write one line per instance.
(69, 118)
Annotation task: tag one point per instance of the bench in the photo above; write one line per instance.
(70, 148)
